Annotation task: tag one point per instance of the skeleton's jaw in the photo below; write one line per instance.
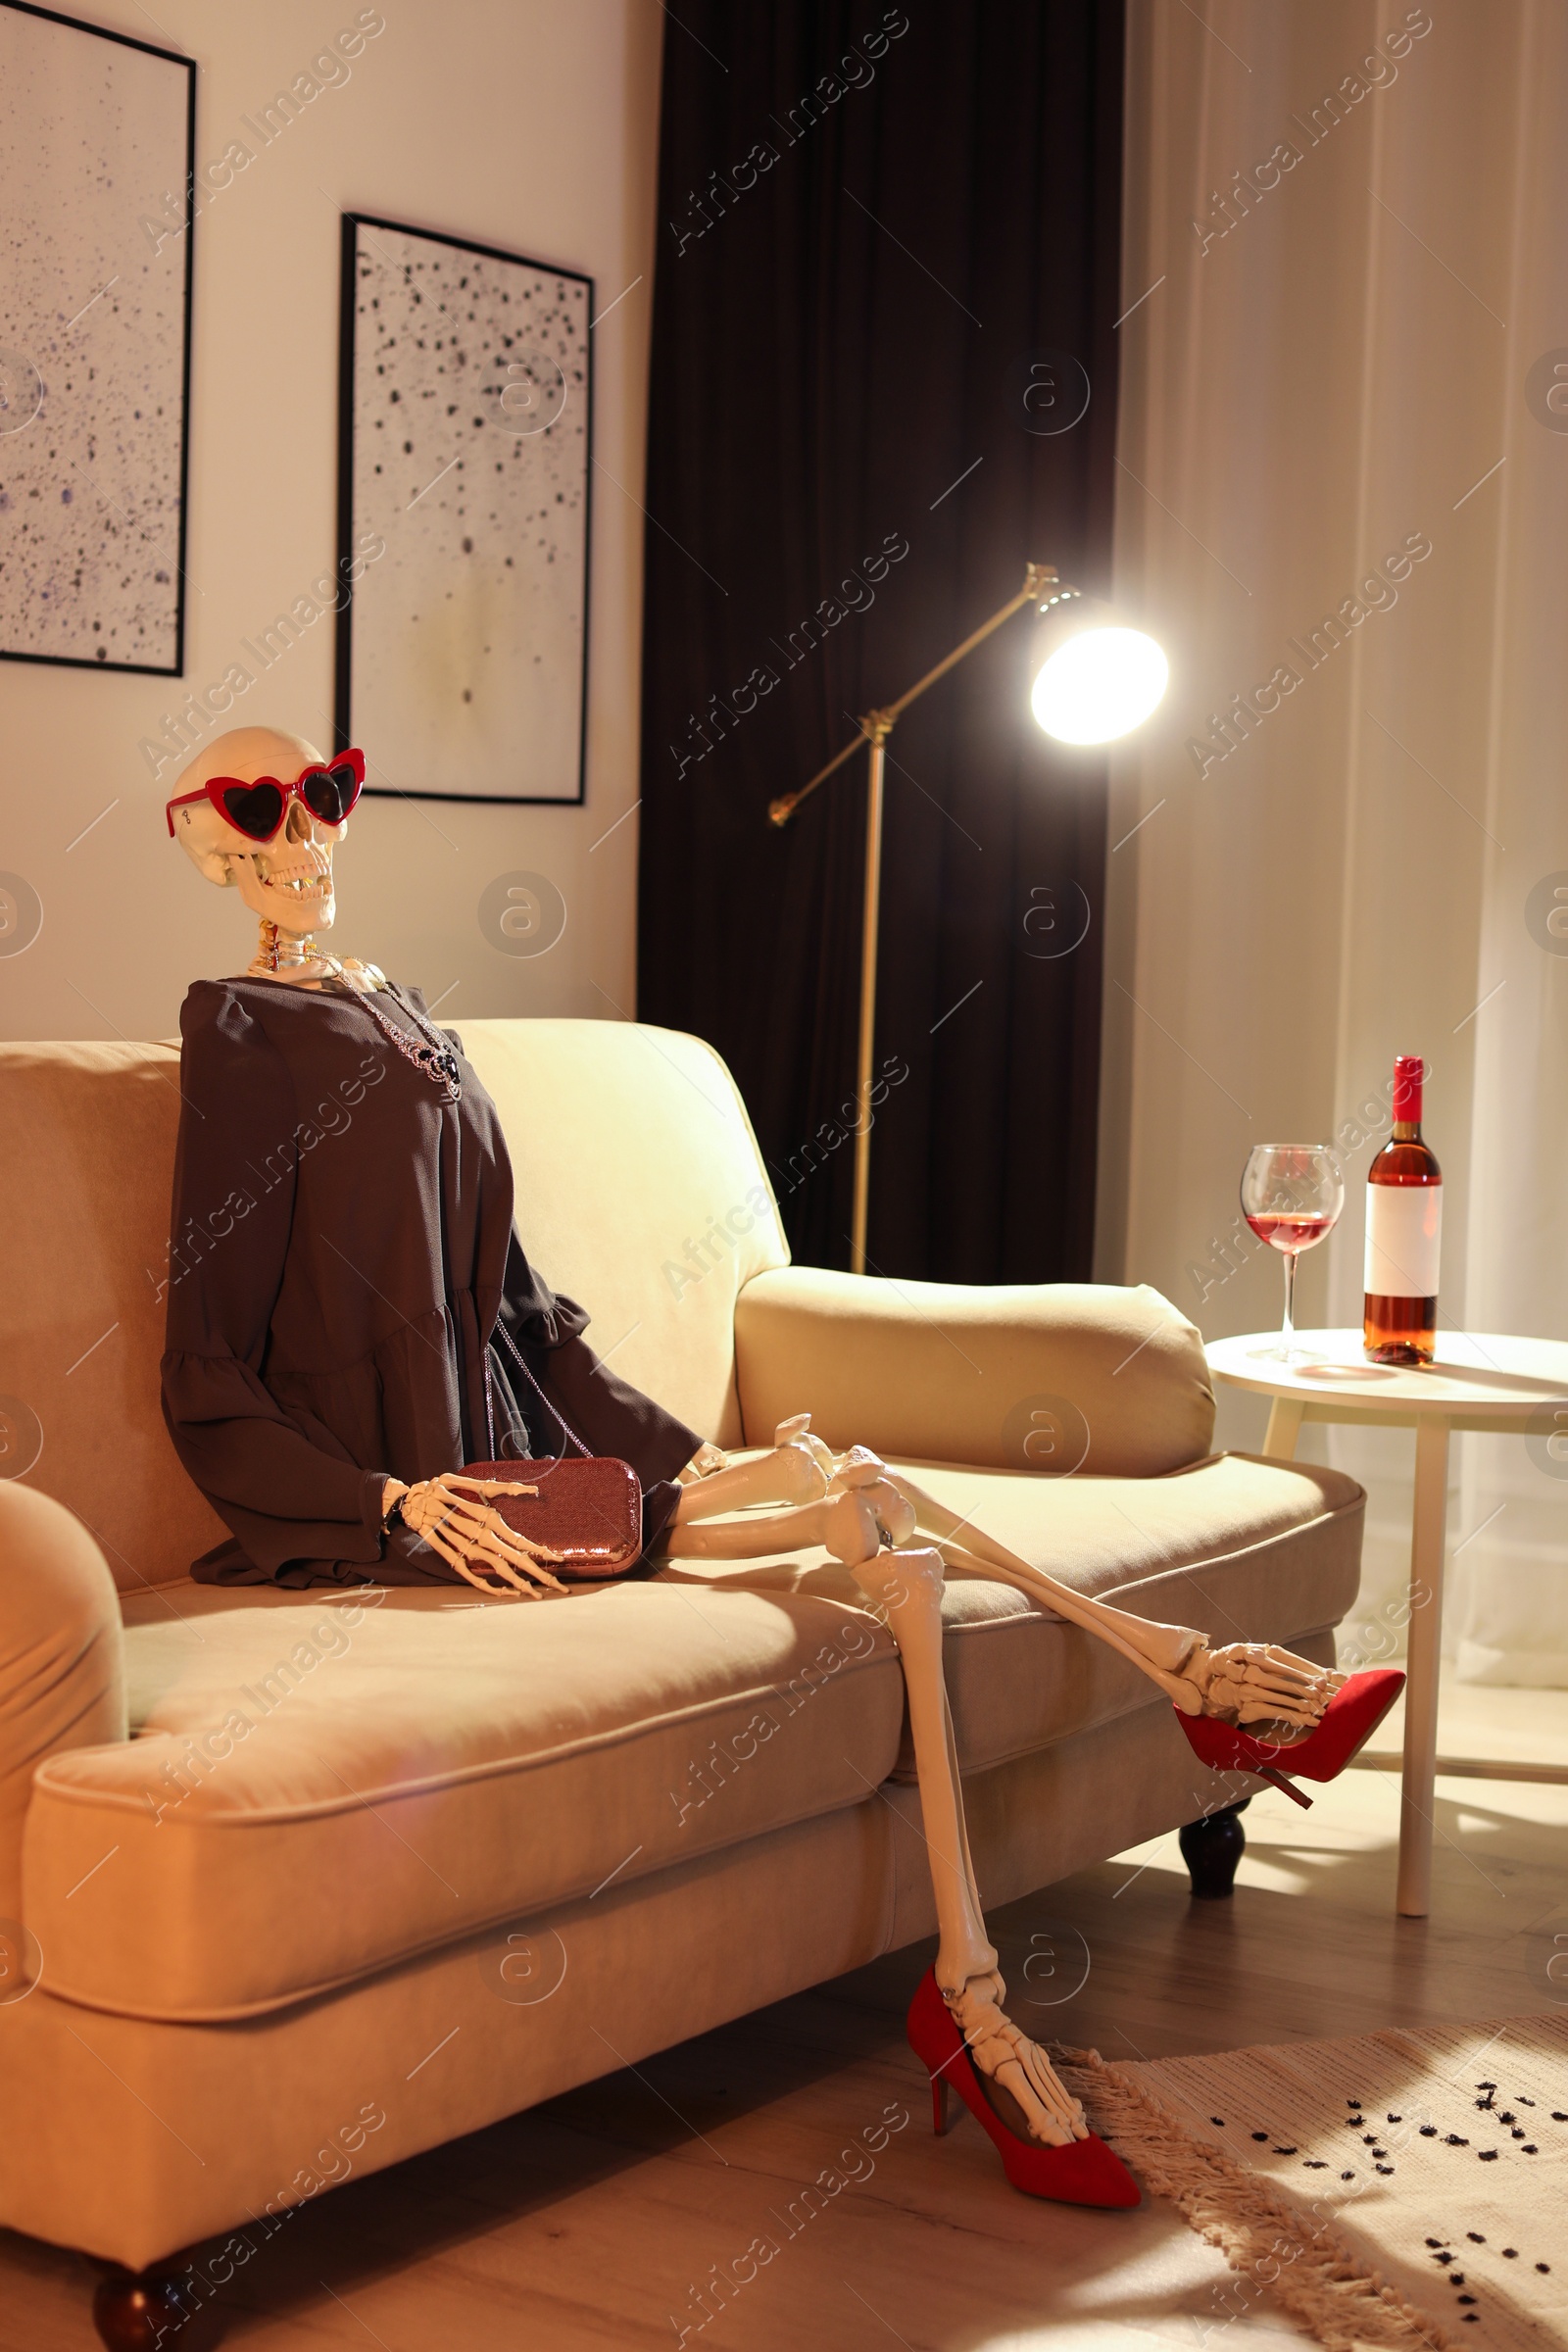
(289, 885)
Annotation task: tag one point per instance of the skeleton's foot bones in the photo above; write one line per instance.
(1019, 2078)
(1076, 2168)
(1257, 1682)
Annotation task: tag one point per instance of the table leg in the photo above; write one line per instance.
(1428, 1536)
(1284, 1428)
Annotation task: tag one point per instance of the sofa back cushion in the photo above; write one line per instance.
(641, 1193)
(628, 1145)
(86, 1169)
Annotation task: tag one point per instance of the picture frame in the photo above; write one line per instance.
(463, 517)
(95, 343)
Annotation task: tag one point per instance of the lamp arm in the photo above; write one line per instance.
(876, 725)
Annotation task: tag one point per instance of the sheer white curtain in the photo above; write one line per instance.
(1345, 245)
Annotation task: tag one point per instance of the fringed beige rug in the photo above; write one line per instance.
(1401, 2188)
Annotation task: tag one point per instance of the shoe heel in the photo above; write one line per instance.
(940, 2105)
(1279, 1780)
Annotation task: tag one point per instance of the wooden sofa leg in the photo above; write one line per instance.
(154, 2310)
(1212, 1849)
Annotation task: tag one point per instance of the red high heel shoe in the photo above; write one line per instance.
(1348, 1721)
(1083, 2173)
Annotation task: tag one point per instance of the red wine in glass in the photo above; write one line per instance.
(1290, 1232)
(1292, 1195)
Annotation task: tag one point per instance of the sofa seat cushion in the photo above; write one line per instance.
(1240, 1548)
(314, 1793)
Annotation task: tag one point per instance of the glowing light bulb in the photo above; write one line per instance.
(1099, 683)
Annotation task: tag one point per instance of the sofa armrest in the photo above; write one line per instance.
(62, 1666)
(1053, 1377)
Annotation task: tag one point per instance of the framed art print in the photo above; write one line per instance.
(462, 498)
(96, 177)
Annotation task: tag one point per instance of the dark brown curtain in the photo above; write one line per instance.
(887, 259)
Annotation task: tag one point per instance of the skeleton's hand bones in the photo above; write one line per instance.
(468, 1534)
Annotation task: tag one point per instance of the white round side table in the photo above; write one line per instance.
(1480, 1381)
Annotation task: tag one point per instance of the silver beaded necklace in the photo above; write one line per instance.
(433, 1060)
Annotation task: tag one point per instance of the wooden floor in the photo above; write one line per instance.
(595, 2221)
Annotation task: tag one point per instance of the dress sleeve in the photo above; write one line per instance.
(585, 1399)
(284, 1496)
(532, 1313)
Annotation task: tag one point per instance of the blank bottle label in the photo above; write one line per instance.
(1403, 1230)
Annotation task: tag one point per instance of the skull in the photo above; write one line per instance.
(287, 880)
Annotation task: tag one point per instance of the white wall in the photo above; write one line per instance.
(530, 124)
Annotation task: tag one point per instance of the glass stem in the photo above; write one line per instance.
(1287, 1335)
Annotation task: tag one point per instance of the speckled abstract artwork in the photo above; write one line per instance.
(94, 160)
(462, 658)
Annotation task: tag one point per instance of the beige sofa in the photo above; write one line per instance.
(298, 1885)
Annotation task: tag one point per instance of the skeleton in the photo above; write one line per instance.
(288, 884)
(797, 1494)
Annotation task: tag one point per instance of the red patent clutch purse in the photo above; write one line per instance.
(590, 1512)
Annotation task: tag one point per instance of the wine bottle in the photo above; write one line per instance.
(1403, 1230)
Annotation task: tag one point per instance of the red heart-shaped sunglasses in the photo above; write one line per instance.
(329, 789)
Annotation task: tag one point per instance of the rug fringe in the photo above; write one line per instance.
(1317, 2277)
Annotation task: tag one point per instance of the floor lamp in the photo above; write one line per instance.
(1095, 678)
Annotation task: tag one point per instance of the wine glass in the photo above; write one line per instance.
(1292, 1195)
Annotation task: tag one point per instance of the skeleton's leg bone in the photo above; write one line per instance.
(1278, 1686)
(907, 1588)
(852, 1520)
(705, 1462)
(1249, 1682)
(799, 1470)
(1160, 1649)
(790, 1474)
(796, 1431)
(750, 1539)
(1146, 1644)
(1274, 1687)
